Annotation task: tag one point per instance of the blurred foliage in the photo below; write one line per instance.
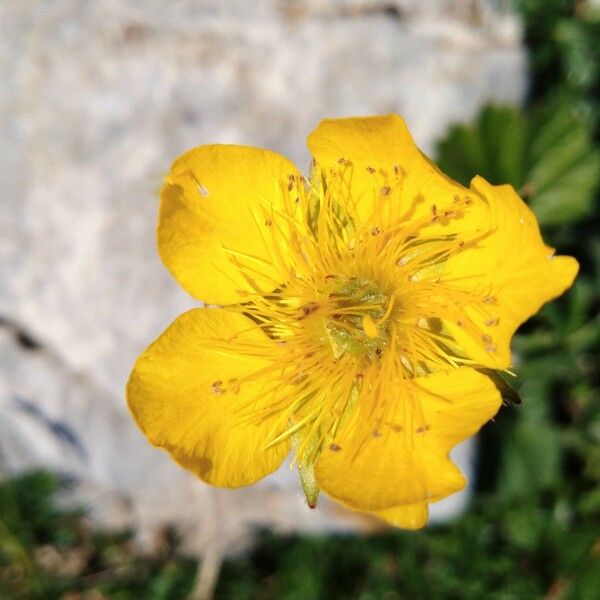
(534, 528)
(47, 552)
(547, 154)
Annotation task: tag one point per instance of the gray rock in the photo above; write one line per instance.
(98, 98)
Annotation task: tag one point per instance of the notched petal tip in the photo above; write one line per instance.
(212, 212)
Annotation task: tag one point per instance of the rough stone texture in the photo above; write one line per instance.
(97, 99)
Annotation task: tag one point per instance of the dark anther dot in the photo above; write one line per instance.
(385, 190)
(309, 308)
(268, 222)
(215, 386)
(433, 209)
(375, 231)
(335, 447)
(397, 169)
(376, 433)
(371, 169)
(461, 244)
(422, 429)
(309, 354)
(397, 428)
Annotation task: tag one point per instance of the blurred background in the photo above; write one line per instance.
(97, 99)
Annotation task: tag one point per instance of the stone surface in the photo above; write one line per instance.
(97, 99)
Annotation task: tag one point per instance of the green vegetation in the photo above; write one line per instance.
(47, 552)
(534, 528)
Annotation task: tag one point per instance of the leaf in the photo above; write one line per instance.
(547, 154)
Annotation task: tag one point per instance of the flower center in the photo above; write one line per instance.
(357, 323)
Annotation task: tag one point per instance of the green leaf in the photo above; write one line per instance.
(547, 154)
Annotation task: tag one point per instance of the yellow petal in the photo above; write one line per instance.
(381, 461)
(216, 213)
(376, 165)
(185, 394)
(513, 271)
(409, 516)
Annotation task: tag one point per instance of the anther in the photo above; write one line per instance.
(215, 386)
(422, 429)
(376, 433)
(461, 244)
(375, 231)
(489, 345)
(290, 186)
(371, 170)
(403, 260)
(335, 447)
(492, 322)
(268, 222)
(434, 210)
(397, 169)
(385, 190)
(309, 308)
(489, 300)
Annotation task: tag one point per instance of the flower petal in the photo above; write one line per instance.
(513, 271)
(215, 216)
(381, 462)
(183, 393)
(377, 165)
(409, 516)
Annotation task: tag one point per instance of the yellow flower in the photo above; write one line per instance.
(350, 318)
